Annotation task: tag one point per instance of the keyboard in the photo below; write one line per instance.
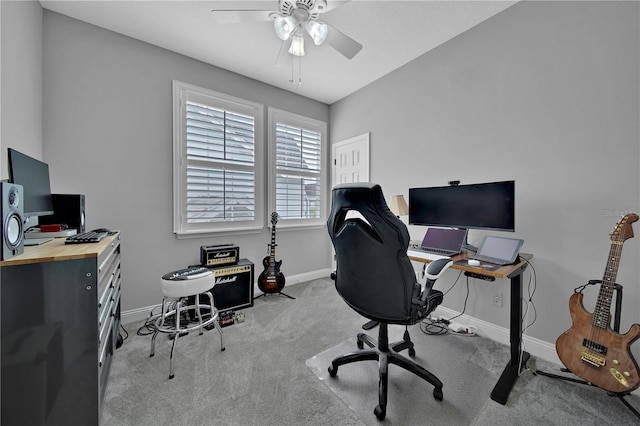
(493, 260)
(86, 237)
(422, 254)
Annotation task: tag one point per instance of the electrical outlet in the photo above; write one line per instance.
(496, 299)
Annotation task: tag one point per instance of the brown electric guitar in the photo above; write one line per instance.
(591, 349)
(271, 280)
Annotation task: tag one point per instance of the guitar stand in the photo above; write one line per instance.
(277, 294)
(616, 328)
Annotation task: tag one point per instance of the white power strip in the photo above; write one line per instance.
(458, 328)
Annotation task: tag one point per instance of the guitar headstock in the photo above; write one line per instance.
(623, 229)
(274, 218)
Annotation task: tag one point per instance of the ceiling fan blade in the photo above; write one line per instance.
(343, 43)
(239, 16)
(332, 4)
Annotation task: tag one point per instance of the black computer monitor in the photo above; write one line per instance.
(476, 206)
(33, 175)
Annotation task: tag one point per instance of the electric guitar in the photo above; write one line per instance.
(271, 280)
(591, 349)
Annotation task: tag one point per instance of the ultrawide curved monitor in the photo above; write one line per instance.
(477, 206)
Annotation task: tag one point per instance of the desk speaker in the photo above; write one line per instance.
(12, 212)
(68, 209)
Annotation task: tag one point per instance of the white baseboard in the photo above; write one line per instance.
(140, 314)
(536, 347)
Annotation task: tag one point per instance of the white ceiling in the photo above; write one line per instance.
(392, 33)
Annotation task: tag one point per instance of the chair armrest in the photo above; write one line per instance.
(437, 268)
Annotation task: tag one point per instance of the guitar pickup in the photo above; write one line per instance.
(594, 347)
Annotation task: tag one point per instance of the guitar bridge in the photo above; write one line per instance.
(593, 358)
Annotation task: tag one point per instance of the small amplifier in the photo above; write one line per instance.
(219, 255)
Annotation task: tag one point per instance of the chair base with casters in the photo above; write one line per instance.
(385, 354)
(178, 288)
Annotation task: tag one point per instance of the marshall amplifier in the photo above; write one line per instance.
(219, 255)
(234, 286)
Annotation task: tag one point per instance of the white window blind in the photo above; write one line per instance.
(217, 157)
(299, 180)
(220, 160)
(298, 155)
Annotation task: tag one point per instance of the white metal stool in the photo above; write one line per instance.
(178, 287)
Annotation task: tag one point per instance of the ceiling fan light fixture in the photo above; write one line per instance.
(318, 31)
(284, 26)
(297, 45)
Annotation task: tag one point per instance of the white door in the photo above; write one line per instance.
(351, 160)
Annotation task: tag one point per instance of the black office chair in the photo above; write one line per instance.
(375, 277)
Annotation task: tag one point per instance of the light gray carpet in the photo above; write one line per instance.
(410, 399)
(274, 372)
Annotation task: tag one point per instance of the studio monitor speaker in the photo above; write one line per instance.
(68, 209)
(12, 220)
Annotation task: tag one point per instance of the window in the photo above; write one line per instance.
(297, 162)
(218, 162)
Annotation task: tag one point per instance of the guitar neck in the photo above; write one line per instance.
(272, 249)
(602, 311)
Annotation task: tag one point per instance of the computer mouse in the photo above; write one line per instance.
(101, 230)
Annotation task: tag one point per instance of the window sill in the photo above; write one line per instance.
(208, 234)
(300, 227)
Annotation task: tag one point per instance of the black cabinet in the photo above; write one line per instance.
(59, 320)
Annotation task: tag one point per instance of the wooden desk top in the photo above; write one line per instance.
(56, 250)
(502, 272)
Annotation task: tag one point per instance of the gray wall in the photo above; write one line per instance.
(543, 93)
(21, 80)
(108, 135)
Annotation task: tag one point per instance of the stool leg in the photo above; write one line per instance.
(155, 331)
(215, 323)
(198, 313)
(153, 344)
(175, 339)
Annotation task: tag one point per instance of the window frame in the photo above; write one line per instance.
(182, 93)
(276, 116)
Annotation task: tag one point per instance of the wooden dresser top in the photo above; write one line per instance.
(57, 250)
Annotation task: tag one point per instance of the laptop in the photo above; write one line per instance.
(498, 250)
(444, 241)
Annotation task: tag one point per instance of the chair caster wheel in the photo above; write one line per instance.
(380, 412)
(437, 394)
(412, 352)
(332, 371)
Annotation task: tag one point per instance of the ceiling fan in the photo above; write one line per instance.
(292, 20)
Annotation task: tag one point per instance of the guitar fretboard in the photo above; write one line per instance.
(602, 311)
(272, 250)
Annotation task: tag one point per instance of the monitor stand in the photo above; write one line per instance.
(39, 235)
